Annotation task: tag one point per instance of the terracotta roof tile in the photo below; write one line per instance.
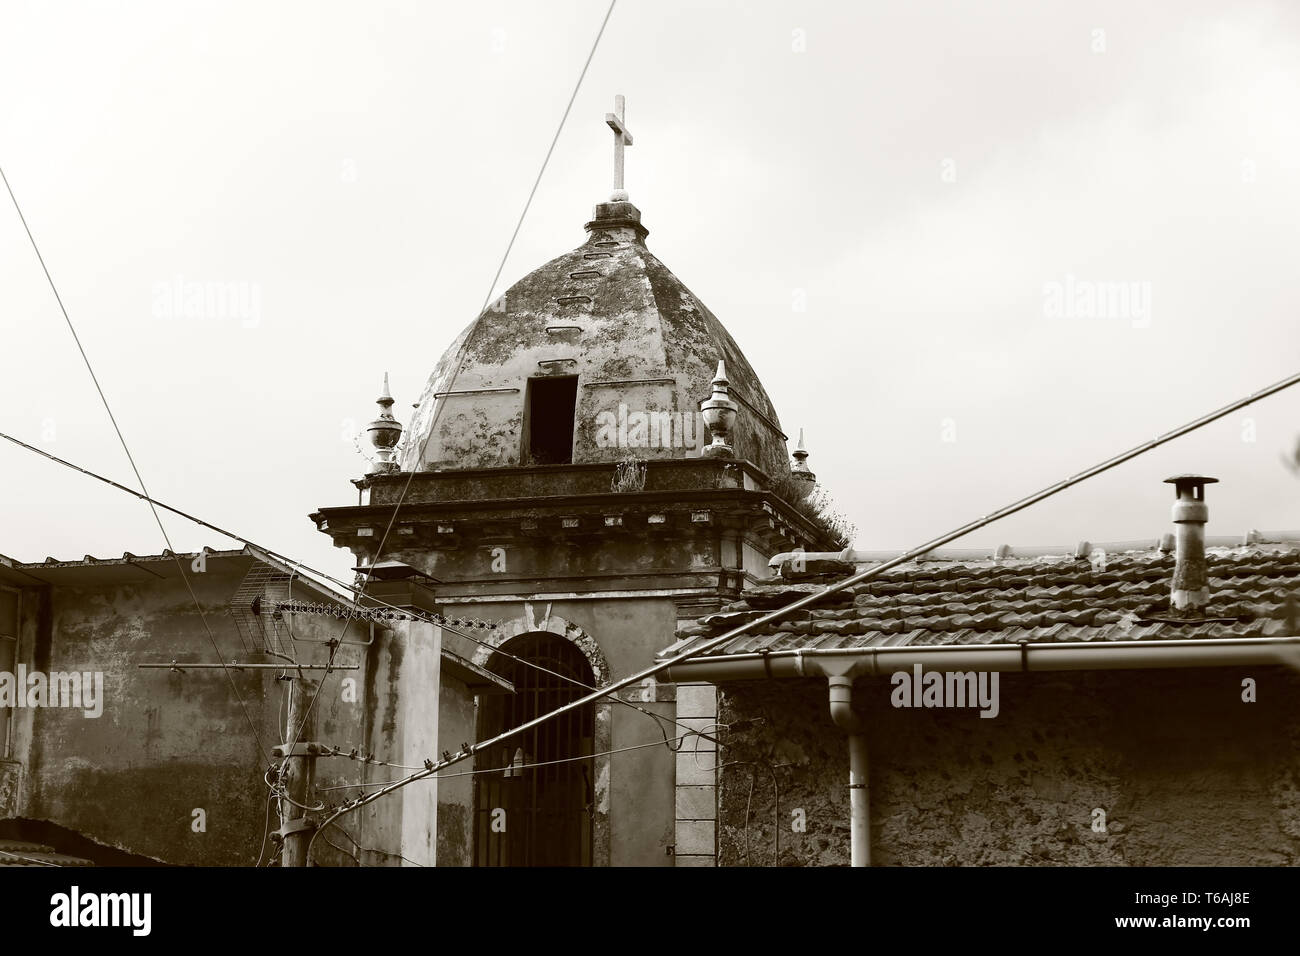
(1056, 598)
(29, 854)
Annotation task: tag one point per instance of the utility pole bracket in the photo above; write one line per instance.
(290, 827)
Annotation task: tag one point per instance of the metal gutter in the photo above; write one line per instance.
(1029, 656)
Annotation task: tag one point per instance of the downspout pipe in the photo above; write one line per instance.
(841, 666)
(842, 713)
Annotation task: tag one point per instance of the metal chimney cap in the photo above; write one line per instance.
(1193, 483)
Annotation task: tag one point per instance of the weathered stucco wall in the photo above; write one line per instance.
(456, 716)
(1185, 772)
(607, 312)
(170, 743)
(167, 744)
(390, 715)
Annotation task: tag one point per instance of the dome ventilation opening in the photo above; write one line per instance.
(549, 409)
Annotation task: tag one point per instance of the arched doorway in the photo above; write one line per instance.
(536, 805)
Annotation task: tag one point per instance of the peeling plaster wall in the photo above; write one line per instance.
(167, 743)
(1186, 773)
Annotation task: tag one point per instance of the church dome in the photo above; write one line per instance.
(599, 354)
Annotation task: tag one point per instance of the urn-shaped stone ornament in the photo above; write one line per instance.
(385, 431)
(719, 414)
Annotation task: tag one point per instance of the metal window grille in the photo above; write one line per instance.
(526, 814)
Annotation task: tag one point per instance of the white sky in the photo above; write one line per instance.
(361, 166)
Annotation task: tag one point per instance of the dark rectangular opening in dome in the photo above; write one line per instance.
(548, 419)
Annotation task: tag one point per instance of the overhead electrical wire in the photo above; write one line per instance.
(269, 552)
(433, 767)
(365, 849)
(524, 766)
(129, 457)
(436, 413)
(449, 624)
(775, 615)
(266, 829)
(347, 853)
(297, 733)
(538, 181)
(437, 410)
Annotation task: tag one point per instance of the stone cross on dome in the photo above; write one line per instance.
(622, 137)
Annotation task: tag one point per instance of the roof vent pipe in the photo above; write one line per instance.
(1191, 585)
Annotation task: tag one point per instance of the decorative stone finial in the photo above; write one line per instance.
(719, 413)
(384, 431)
(804, 478)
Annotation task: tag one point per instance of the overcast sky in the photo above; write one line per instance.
(899, 210)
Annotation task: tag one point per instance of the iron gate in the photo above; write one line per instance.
(534, 807)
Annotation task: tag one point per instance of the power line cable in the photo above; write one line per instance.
(432, 767)
(436, 413)
(347, 853)
(551, 149)
(437, 410)
(411, 613)
(266, 829)
(352, 612)
(438, 406)
(129, 457)
(366, 849)
(524, 766)
(775, 615)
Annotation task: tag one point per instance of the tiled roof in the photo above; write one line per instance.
(1042, 599)
(25, 853)
(126, 558)
(90, 570)
(132, 568)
